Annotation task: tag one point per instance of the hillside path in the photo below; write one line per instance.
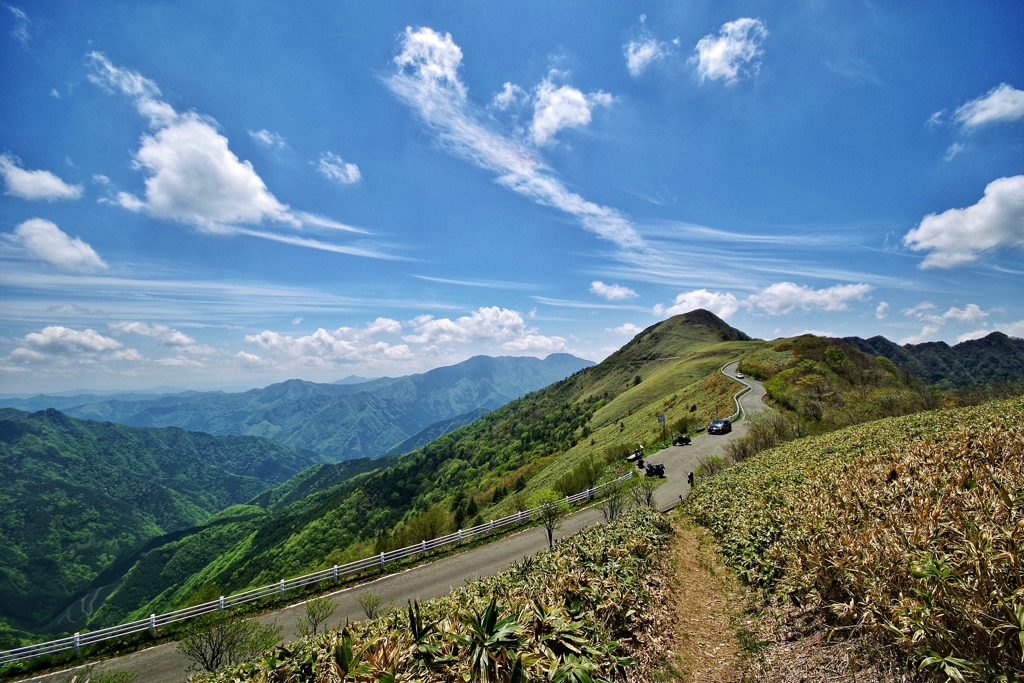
(163, 664)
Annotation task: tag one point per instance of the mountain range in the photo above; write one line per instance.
(339, 421)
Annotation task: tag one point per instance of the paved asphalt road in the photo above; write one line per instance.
(163, 664)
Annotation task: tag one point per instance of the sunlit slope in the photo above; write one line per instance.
(910, 527)
(677, 362)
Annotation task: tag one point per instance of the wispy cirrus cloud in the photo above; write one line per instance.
(732, 53)
(335, 168)
(427, 80)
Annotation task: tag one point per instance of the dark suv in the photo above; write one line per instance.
(720, 427)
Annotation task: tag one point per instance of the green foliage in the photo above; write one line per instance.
(551, 510)
(565, 615)
(79, 497)
(316, 613)
(908, 527)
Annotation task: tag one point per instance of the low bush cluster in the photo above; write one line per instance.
(911, 528)
(572, 614)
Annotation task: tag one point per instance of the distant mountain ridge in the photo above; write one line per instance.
(993, 358)
(339, 421)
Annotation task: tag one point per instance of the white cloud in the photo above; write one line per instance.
(1003, 103)
(971, 313)
(486, 323)
(732, 52)
(47, 242)
(267, 138)
(21, 24)
(558, 107)
(511, 95)
(612, 292)
(251, 360)
(780, 298)
(33, 185)
(1011, 329)
(57, 343)
(927, 333)
(628, 329)
(936, 119)
(722, 304)
(166, 335)
(535, 343)
(427, 79)
(785, 297)
(194, 178)
(953, 150)
(958, 236)
(179, 362)
(324, 347)
(882, 312)
(335, 168)
(642, 53)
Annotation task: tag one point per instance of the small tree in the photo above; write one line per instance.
(215, 641)
(642, 491)
(318, 611)
(370, 602)
(551, 510)
(613, 503)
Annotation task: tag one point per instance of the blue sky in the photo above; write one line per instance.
(230, 194)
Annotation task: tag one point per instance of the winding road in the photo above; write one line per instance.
(163, 664)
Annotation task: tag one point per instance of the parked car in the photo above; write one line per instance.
(720, 427)
(739, 375)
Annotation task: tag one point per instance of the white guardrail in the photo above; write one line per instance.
(736, 397)
(80, 640)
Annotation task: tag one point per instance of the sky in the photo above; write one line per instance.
(225, 195)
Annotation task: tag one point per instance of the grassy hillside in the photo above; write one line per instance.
(826, 384)
(908, 528)
(79, 495)
(525, 445)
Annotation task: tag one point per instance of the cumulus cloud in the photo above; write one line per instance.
(1003, 103)
(324, 347)
(166, 335)
(882, 312)
(780, 298)
(44, 240)
(57, 342)
(958, 236)
(628, 329)
(732, 52)
(34, 185)
(785, 297)
(486, 323)
(193, 177)
(333, 167)
(936, 322)
(561, 106)
(722, 304)
(612, 292)
(535, 343)
(1015, 329)
(267, 138)
(427, 80)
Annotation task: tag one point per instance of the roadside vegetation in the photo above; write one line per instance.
(901, 537)
(580, 612)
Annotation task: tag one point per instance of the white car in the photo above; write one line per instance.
(739, 375)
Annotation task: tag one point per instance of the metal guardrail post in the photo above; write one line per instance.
(382, 560)
(152, 625)
(492, 527)
(281, 591)
(77, 642)
(423, 548)
(335, 575)
(460, 535)
(220, 603)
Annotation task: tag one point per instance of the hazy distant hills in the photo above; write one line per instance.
(77, 495)
(994, 358)
(338, 421)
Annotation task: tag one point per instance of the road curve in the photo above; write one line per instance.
(163, 664)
